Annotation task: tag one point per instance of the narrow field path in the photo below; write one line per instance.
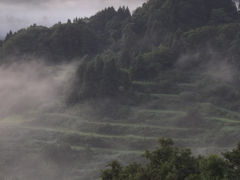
(224, 119)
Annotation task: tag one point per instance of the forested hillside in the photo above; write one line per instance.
(78, 94)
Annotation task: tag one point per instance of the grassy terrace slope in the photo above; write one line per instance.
(144, 126)
(202, 126)
(118, 132)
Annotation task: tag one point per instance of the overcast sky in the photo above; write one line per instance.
(17, 14)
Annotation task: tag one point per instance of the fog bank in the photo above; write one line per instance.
(25, 85)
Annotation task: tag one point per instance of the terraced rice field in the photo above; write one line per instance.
(126, 139)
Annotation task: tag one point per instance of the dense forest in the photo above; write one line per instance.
(107, 87)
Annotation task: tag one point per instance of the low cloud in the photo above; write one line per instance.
(25, 85)
(215, 66)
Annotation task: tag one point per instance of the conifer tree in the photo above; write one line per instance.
(109, 84)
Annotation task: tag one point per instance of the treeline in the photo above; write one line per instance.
(171, 163)
(66, 41)
(171, 24)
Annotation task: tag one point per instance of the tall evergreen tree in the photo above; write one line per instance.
(109, 84)
(8, 36)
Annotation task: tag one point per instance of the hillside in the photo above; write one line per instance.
(79, 94)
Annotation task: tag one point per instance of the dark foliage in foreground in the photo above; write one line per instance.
(169, 162)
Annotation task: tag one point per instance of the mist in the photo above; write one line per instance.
(25, 85)
(29, 86)
(15, 15)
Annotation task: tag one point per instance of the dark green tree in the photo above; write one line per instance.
(233, 160)
(234, 51)
(219, 16)
(166, 162)
(8, 36)
(213, 167)
(73, 87)
(109, 85)
(88, 88)
(138, 69)
(113, 173)
(128, 46)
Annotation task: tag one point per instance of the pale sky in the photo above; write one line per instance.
(17, 14)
